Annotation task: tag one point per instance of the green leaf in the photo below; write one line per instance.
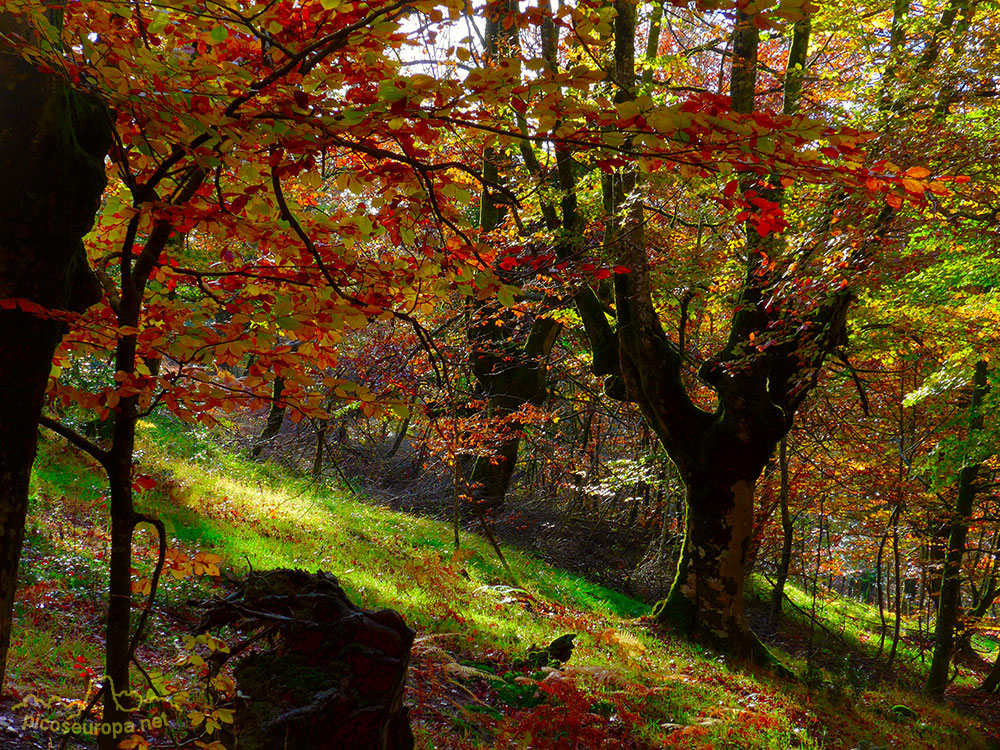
(505, 294)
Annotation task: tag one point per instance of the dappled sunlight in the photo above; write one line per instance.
(476, 612)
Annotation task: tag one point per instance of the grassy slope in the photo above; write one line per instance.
(626, 687)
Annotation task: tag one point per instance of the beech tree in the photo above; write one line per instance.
(53, 139)
(711, 210)
(802, 216)
(802, 269)
(721, 452)
(212, 244)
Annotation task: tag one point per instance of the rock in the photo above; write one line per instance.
(331, 678)
(556, 653)
(561, 648)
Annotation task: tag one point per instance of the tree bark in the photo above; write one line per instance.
(706, 598)
(950, 600)
(721, 454)
(118, 624)
(509, 361)
(787, 532)
(275, 418)
(52, 146)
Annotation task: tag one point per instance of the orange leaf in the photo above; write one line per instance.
(918, 173)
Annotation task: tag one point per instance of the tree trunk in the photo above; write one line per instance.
(117, 629)
(317, 468)
(719, 454)
(508, 360)
(787, 532)
(511, 382)
(898, 625)
(706, 599)
(52, 146)
(135, 272)
(950, 601)
(937, 544)
(119, 471)
(992, 682)
(275, 418)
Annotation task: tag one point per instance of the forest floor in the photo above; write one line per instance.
(627, 685)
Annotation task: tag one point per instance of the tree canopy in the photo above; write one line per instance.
(745, 219)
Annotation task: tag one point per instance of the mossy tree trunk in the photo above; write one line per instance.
(52, 146)
(706, 598)
(719, 454)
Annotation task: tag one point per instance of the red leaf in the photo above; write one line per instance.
(143, 482)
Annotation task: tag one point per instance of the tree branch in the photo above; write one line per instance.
(98, 454)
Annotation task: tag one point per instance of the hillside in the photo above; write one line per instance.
(626, 685)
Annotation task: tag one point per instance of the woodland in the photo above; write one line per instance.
(619, 374)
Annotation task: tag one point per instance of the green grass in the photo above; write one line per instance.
(625, 683)
(848, 634)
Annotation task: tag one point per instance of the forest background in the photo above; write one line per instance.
(722, 271)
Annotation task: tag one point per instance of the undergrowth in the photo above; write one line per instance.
(627, 685)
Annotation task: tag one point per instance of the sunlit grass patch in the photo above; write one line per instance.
(627, 683)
